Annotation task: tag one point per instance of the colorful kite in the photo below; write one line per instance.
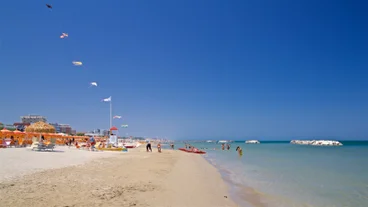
(64, 35)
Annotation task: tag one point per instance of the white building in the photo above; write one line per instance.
(32, 119)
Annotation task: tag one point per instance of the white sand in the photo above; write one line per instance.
(16, 162)
(136, 178)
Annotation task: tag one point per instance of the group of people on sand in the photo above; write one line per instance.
(90, 143)
(159, 148)
(149, 147)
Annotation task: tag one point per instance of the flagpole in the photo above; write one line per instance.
(110, 112)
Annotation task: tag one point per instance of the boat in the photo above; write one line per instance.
(222, 141)
(252, 142)
(195, 152)
(129, 145)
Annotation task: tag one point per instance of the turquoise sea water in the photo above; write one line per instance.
(280, 174)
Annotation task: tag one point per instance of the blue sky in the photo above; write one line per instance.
(190, 68)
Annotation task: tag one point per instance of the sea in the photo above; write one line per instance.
(280, 174)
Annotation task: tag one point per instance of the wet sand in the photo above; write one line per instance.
(136, 178)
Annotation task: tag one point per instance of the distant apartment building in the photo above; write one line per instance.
(56, 126)
(32, 119)
(65, 128)
(105, 132)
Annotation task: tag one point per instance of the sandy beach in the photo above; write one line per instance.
(82, 178)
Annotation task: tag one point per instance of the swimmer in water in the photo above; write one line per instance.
(240, 151)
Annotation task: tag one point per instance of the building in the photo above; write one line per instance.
(21, 126)
(106, 133)
(56, 126)
(32, 119)
(65, 128)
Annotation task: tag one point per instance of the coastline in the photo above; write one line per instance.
(136, 178)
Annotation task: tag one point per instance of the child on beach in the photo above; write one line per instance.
(159, 147)
(240, 151)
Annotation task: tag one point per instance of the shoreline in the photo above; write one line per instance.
(136, 178)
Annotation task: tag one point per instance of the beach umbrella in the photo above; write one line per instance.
(5, 132)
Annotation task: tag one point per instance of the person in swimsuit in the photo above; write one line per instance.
(148, 147)
(159, 147)
(240, 151)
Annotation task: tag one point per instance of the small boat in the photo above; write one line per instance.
(195, 152)
(130, 145)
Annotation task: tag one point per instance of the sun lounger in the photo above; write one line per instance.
(50, 146)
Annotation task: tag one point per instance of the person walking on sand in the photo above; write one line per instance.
(240, 151)
(92, 141)
(149, 147)
(159, 147)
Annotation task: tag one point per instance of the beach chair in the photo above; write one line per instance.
(39, 146)
(51, 145)
(35, 143)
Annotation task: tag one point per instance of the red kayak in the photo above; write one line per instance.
(195, 151)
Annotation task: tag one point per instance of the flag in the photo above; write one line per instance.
(106, 99)
(124, 126)
(116, 117)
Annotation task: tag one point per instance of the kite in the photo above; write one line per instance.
(92, 84)
(49, 6)
(63, 35)
(124, 126)
(77, 63)
(116, 117)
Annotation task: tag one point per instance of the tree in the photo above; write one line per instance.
(80, 134)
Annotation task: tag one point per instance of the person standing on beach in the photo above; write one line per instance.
(92, 142)
(240, 151)
(149, 147)
(223, 146)
(159, 147)
(228, 146)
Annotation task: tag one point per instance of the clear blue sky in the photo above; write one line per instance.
(190, 68)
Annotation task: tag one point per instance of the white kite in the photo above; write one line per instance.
(77, 63)
(116, 117)
(92, 84)
(124, 126)
(64, 35)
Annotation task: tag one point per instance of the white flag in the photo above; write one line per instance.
(106, 99)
